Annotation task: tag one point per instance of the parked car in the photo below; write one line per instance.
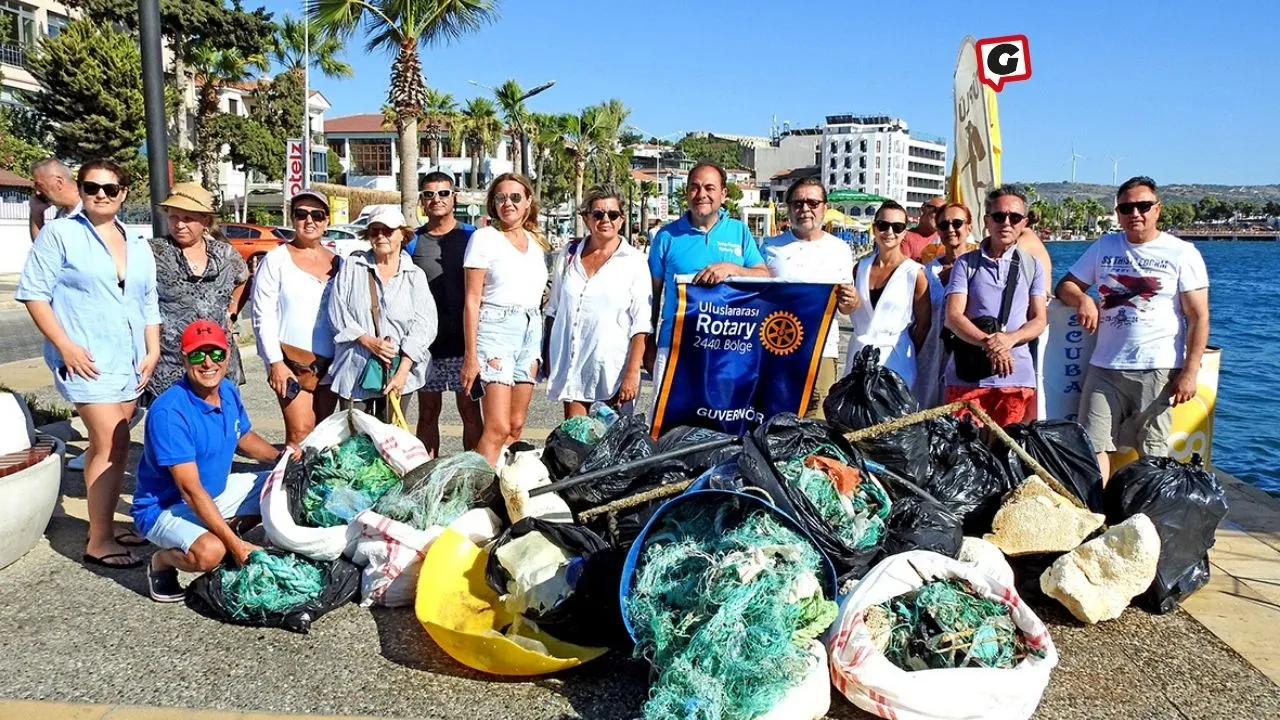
(344, 241)
(252, 241)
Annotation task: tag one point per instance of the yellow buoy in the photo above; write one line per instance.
(464, 616)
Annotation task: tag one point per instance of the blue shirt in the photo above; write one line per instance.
(70, 268)
(679, 248)
(182, 428)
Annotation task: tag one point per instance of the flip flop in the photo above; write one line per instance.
(129, 538)
(102, 561)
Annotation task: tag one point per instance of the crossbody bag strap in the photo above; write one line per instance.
(373, 303)
(1010, 284)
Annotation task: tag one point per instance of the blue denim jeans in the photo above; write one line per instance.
(508, 344)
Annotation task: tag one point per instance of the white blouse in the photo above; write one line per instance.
(290, 306)
(594, 321)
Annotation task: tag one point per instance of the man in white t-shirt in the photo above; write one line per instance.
(1152, 326)
(807, 253)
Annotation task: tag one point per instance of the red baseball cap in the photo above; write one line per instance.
(203, 333)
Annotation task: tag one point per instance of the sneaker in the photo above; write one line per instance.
(163, 585)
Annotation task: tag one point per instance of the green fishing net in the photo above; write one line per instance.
(269, 583)
(346, 480)
(943, 624)
(722, 603)
(859, 519)
(438, 493)
(584, 429)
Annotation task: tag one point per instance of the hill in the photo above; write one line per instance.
(1055, 192)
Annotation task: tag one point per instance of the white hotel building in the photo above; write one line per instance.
(876, 154)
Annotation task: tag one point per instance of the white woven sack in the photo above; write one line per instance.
(391, 552)
(400, 448)
(866, 677)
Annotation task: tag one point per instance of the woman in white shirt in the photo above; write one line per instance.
(599, 312)
(894, 314)
(955, 225)
(505, 275)
(291, 289)
(808, 254)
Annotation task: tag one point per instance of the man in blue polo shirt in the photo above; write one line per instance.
(187, 499)
(704, 242)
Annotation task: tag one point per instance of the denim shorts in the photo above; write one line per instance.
(508, 344)
(179, 527)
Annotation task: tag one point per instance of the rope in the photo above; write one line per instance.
(269, 584)
(635, 500)
(1031, 462)
(889, 426)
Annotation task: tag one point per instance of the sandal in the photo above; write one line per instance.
(103, 561)
(129, 538)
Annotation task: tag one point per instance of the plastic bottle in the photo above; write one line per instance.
(604, 413)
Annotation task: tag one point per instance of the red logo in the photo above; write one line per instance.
(1003, 60)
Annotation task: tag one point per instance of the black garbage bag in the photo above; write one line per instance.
(967, 478)
(697, 463)
(341, 585)
(786, 436)
(1064, 449)
(590, 615)
(870, 395)
(563, 455)
(917, 524)
(1185, 502)
(626, 441)
(297, 474)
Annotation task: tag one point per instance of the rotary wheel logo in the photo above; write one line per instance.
(781, 332)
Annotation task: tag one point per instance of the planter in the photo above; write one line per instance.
(29, 484)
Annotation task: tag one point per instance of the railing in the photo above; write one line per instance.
(11, 210)
(11, 54)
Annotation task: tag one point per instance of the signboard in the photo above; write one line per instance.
(975, 169)
(473, 210)
(294, 172)
(339, 210)
(663, 206)
(741, 352)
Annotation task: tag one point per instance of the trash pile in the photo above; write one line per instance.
(274, 589)
(438, 492)
(344, 481)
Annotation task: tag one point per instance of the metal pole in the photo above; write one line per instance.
(153, 102)
(306, 97)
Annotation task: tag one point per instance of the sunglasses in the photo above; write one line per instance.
(599, 215)
(885, 226)
(1001, 216)
(196, 357)
(515, 198)
(91, 188)
(1142, 206)
(379, 231)
(442, 194)
(806, 203)
(954, 224)
(316, 215)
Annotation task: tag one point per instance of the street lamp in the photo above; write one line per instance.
(657, 171)
(526, 158)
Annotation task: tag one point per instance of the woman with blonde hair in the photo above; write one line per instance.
(505, 277)
(955, 225)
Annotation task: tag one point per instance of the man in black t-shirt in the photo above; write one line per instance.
(438, 248)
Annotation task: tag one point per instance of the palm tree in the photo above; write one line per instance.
(215, 68)
(510, 97)
(481, 129)
(402, 26)
(585, 134)
(295, 38)
(441, 113)
(548, 138)
(646, 190)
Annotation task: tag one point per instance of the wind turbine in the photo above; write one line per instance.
(1074, 157)
(1115, 169)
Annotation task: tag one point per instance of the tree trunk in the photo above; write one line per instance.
(439, 158)
(579, 176)
(408, 131)
(537, 177)
(181, 129)
(475, 169)
(516, 154)
(644, 215)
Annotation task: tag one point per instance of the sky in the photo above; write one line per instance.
(1181, 91)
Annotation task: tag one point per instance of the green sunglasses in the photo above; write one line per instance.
(196, 357)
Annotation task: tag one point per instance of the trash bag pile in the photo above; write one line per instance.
(724, 602)
(274, 589)
(439, 492)
(944, 624)
(344, 481)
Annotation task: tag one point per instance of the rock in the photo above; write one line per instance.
(1035, 519)
(987, 558)
(1097, 580)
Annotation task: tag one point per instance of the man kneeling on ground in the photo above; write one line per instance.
(188, 503)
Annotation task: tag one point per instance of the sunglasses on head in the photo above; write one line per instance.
(110, 189)
(301, 214)
(806, 203)
(954, 224)
(599, 215)
(196, 357)
(442, 194)
(885, 226)
(1001, 216)
(1142, 206)
(515, 198)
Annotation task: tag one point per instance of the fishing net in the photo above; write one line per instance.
(857, 515)
(584, 429)
(439, 492)
(346, 480)
(944, 624)
(269, 584)
(722, 603)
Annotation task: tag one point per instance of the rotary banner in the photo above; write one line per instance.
(741, 352)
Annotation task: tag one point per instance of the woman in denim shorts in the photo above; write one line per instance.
(505, 270)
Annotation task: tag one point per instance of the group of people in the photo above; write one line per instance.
(487, 313)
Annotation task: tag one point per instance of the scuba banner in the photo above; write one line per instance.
(741, 352)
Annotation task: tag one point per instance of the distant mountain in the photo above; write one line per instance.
(1057, 191)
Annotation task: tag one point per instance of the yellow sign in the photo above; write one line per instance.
(339, 210)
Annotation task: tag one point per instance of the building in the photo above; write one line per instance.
(22, 23)
(793, 148)
(370, 157)
(776, 190)
(876, 154)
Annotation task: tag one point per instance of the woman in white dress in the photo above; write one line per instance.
(599, 313)
(954, 227)
(894, 314)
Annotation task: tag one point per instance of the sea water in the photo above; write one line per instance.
(1244, 305)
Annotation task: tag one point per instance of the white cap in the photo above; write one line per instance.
(388, 215)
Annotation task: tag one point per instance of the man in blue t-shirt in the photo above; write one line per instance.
(704, 242)
(187, 500)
